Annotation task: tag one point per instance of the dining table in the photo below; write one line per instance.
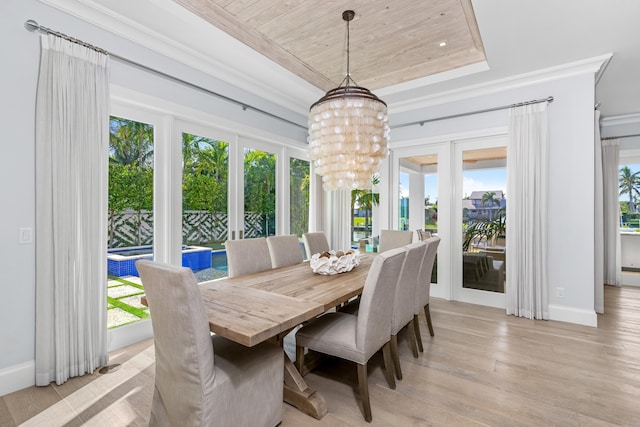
(267, 305)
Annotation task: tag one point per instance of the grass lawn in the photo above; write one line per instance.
(123, 301)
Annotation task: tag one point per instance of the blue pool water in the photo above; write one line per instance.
(206, 263)
(122, 262)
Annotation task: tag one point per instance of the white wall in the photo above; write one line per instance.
(571, 177)
(18, 80)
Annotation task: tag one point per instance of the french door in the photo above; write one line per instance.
(479, 221)
(446, 188)
(421, 201)
(229, 185)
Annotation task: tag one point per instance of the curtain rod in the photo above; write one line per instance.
(620, 137)
(33, 26)
(453, 116)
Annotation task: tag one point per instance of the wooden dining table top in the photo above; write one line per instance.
(252, 308)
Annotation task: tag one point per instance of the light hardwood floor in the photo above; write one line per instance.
(481, 368)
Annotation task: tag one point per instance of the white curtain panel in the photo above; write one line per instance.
(72, 140)
(598, 229)
(527, 184)
(338, 219)
(612, 245)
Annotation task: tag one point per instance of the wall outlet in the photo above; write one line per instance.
(26, 235)
(560, 292)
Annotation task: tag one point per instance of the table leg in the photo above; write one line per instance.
(297, 393)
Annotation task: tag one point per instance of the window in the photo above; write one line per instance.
(484, 181)
(259, 193)
(298, 196)
(205, 219)
(130, 216)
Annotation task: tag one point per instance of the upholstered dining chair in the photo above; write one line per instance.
(358, 337)
(200, 379)
(315, 243)
(423, 234)
(404, 302)
(247, 256)
(284, 250)
(423, 289)
(390, 239)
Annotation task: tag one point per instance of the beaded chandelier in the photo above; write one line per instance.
(348, 133)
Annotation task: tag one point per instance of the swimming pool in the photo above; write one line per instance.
(122, 261)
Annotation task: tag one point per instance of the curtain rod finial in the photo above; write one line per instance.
(32, 25)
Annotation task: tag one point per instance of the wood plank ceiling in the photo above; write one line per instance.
(391, 41)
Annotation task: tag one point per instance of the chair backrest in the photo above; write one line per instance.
(391, 239)
(284, 250)
(247, 256)
(184, 351)
(423, 234)
(373, 328)
(315, 243)
(404, 300)
(423, 288)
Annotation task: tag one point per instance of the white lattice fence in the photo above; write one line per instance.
(198, 227)
(204, 226)
(132, 229)
(253, 225)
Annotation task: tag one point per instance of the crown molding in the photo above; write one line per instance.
(434, 78)
(586, 66)
(627, 119)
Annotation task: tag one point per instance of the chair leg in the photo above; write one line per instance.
(388, 366)
(395, 357)
(412, 338)
(427, 314)
(364, 391)
(300, 358)
(416, 329)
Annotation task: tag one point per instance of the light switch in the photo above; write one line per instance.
(26, 235)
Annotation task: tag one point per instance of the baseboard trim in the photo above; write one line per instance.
(17, 377)
(129, 334)
(630, 279)
(573, 315)
(23, 375)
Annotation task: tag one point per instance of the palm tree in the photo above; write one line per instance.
(130, 142)
(365, 199)
(629, 183)
(489, 198)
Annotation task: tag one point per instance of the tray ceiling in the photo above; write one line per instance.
(391, 42)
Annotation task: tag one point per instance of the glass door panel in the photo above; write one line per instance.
(130, 216)
(205, 219)
(299, 175)
(259, 193)
(430, 176)
(364, 205)
(418, 202)
(403, 202)
(483, 205)
(298, 196)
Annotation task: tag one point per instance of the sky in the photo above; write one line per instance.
(476, 180)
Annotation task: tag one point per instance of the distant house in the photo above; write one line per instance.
(485, 209)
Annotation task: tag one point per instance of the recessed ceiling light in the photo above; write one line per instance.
(443, 43)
